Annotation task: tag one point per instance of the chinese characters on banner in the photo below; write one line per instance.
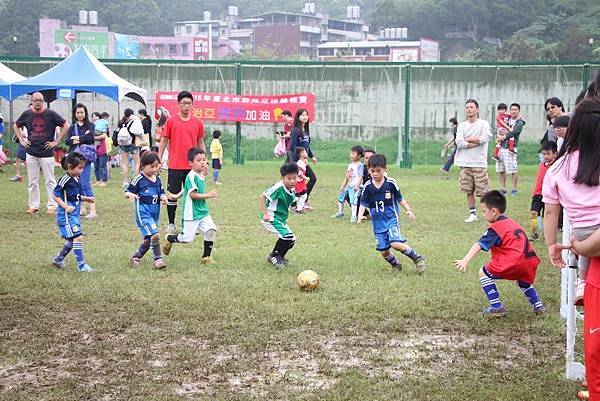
(249, 109)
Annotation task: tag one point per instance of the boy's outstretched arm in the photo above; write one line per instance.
(464, 262)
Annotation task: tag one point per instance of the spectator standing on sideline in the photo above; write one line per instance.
(134, 125)
(450, 144)
(100, 135)
(147, 125)
(181, 133)
(507, 157)
(472, 137)
(39, 145)
(554, 108)
(301, 137)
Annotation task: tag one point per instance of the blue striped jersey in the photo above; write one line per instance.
(383, 204)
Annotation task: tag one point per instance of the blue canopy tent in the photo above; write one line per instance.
(80, 72)
(7, 78)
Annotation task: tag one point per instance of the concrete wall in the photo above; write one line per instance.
(358, 102)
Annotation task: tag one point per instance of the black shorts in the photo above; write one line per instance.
(176, 180)
(537, 205)
(216, 164)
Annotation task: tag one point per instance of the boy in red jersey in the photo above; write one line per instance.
(513, 258)
(549, 152)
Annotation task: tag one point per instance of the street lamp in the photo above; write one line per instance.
(15, 39)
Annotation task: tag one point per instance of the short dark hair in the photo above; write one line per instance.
(517, 105)
(97, 114)
(550, 146)
(143, 112)
(105, 114)
(502, 106)
(286, 113)
(377, 160)
(148, 158)
(453, 120)
(561, 121)
(128, 112)
(369, 150)
(72, 159)
(193, 152)
(299, 149)
(495, 199)
(288, 168)
(184, 94)
(358, 150)
(475, 102)
(216, 134)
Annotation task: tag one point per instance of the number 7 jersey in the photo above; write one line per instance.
(383, 204)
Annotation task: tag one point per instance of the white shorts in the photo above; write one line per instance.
(191, 227)
(507, 163)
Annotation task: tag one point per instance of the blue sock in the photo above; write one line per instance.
(155, 244)
(540, 220)
(531, 294)
(144, 246)
(412, 254)
(491, 292)
(65, 250)
(215, 175)
(78, 251)
(391, 259)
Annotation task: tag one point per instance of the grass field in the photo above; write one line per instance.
(240, 329)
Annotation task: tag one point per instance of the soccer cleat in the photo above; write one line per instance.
(159, 264)
(397, 267)
(514, 192)
(540, 311)
(135, 261)
(353, 219)
(276, 261)
(471, 219)
(166, 248)
(31, 211)
(494, 312)
(337, 216)
(207, 260)
(59, 263)
(171, 229)
(534, 237)
(420, 265)
(86, 269)
(16, 178)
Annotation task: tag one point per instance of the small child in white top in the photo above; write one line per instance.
(352, 182)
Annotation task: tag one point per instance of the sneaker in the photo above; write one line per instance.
(397, 268)
(166, 248)
(494, 312)
(502, 191)
(534, 237)
(31, 211)
(471, 219)
(579, 290)
(337, 215)
(276, 261)
(59, 263)
(124, 184)
(218, 183)
(514, 192)
(135, 261)
(86, 269)
(207, 260)
(16, 178)
(540, 311)
(353, 219)
(171, 229)
(420, 265)
(159, 264)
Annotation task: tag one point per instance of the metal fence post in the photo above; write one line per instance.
(238, 124)
(406, 159)
(585, 75)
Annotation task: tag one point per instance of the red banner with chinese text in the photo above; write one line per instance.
(242, 108)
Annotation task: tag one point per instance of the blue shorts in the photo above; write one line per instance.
(216, 164)
(21, 153)
(147, 226)
(349, 191)
(384, 240)
(72, 229)
(132, 149)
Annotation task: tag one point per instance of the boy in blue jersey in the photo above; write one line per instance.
(381, 195)
(146, 192)
(68, 196)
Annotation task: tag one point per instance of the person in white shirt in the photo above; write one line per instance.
(472, 137)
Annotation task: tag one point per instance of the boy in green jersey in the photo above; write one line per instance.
(274, 205)
(195, 216)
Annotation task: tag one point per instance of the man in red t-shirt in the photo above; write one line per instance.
(181, 133)
(549, 153)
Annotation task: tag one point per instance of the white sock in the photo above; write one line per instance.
(301, 202)
(354, 209)
(340, 207)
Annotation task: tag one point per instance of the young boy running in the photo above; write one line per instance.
(195, 217)
(381, 195)
(274, 205)
(513, 257)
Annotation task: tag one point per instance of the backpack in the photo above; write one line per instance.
(124, 137)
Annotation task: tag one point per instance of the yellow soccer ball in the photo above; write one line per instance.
(308, 280)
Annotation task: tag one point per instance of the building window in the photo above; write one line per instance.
(363, 51)
(382, 51)
(172, 50)
(188, 29)
(184, 49)
(326, 52)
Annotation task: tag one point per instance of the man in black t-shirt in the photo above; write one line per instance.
(40, 125)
